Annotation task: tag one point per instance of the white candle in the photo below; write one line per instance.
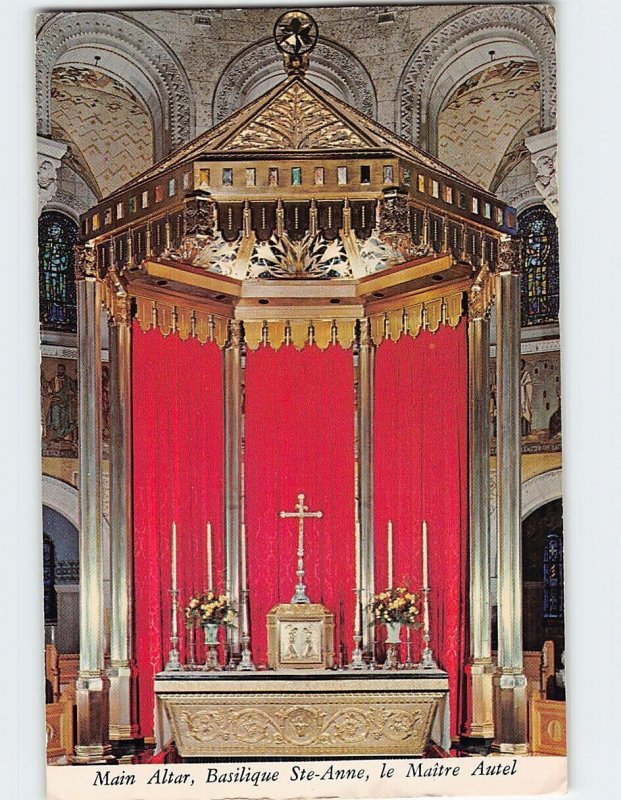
(390, 576)
(358, 618)
(243, 557)
(425, 565)
(173, 558)
(209, 559)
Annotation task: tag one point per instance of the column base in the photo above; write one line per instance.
(480, 722)
(92, 745)
(510, 717)
(122, 678)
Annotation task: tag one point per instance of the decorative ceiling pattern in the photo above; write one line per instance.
(104, 123)
(295, 121)
(479, 123)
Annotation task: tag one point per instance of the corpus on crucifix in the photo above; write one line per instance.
(301, 513)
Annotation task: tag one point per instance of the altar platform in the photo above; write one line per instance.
(312, 714)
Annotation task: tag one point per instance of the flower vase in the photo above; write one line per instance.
(393, 640)
(211, 643)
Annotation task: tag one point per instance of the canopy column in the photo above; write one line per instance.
(123, 726)
(233, 467)
(92, 746)
(479, 722)
(510, 697)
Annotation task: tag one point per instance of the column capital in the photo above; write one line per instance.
(116, 299)
(235, 333)
(49, 158)
(509, 254)
(85, 263)
(542, 149)
(366, 340)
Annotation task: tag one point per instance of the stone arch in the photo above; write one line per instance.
(134, 55)
(541, 489)
(460, 47)
(258, 68)
(61, 497)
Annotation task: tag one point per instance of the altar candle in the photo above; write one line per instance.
(209, 559)
(390, 554)
(173, 558)
(243, 557)
(425, 566)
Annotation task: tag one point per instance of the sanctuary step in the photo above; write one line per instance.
(309, 714)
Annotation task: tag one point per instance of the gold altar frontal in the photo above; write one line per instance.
(302, 714)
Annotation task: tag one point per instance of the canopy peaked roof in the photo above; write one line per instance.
(297, 115)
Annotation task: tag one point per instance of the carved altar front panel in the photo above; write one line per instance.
(307, 715)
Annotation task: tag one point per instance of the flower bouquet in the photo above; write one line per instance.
(211, 611)
(394, 608)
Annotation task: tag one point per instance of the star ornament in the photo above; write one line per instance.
(295, 33)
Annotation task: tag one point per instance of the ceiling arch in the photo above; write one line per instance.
(259, 68)
(132, 54)
(459, 48)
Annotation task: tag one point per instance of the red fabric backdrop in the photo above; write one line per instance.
(300, 438)
(420, 472)
(178, 475)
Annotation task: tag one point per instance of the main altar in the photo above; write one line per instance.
(302, 715)
(299, 307)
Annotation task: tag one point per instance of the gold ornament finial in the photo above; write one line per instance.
(295, 34)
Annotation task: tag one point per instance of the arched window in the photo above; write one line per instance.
(49, 592)
(540, 287)
(57, 304)
(553, 576)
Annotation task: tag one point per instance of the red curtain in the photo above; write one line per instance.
(420, 473)
(300, 438)
(178, 475)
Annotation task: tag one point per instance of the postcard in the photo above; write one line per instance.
(301, 401)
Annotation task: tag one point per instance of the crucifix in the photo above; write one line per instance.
(302, 513)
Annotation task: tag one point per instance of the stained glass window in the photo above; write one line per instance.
(553, 576)
(49, 593)
(540, 285)
(57, 238)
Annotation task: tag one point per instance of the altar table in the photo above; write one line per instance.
(310, 714)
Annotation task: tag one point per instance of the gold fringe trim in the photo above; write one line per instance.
(299, 333)
(322, 333)
(184, 321)
(419, 316)
(253, 333)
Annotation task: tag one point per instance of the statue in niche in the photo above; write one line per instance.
(60, 419)
(526, 399)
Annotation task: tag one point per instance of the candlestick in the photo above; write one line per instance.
(246, 663)
(425, 565)
(357, 661)
(173, 664)
(243, 556)
(390, 576)
(173, 558)
(209, 559)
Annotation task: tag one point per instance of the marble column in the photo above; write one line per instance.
(366, 362)
(123, 727)
(479, 670)
(92, 746)
(510, 700)
(233, 467)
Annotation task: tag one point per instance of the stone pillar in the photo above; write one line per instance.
(542, 149)
(49, 155)
(92, 746)
(233, 471)
(123, 726)
(366, 363)
(479, 671)
(509, 683)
